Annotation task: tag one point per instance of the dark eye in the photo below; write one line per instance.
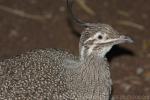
(100, 37)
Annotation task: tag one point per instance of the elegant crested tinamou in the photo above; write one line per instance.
(54, 74)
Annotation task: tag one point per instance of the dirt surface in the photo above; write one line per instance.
(30, 24)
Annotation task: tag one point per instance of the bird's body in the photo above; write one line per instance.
(33, 75)
(40, 74)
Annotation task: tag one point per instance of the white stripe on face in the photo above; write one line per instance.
(82, 52)
(106, 41)
(90, 50)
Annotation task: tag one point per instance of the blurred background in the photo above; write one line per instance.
(30, 24)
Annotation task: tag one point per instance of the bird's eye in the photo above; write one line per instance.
(100, 37)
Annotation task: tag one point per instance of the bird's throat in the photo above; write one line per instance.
(91, 51)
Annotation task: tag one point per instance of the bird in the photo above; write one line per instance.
(57, 74)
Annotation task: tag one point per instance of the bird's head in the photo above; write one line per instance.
(98, 39)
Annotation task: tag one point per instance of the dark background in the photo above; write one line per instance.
(30, 24)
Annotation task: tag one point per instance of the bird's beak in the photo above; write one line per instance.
(123, 39)
(119, 40)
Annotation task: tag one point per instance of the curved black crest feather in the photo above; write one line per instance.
(74, 18)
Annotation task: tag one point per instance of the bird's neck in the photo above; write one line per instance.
(94, 66)
(93, 75)
(94, 63)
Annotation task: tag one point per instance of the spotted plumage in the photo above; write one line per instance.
(33, 75)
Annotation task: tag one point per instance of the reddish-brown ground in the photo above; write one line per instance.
(44, 24)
